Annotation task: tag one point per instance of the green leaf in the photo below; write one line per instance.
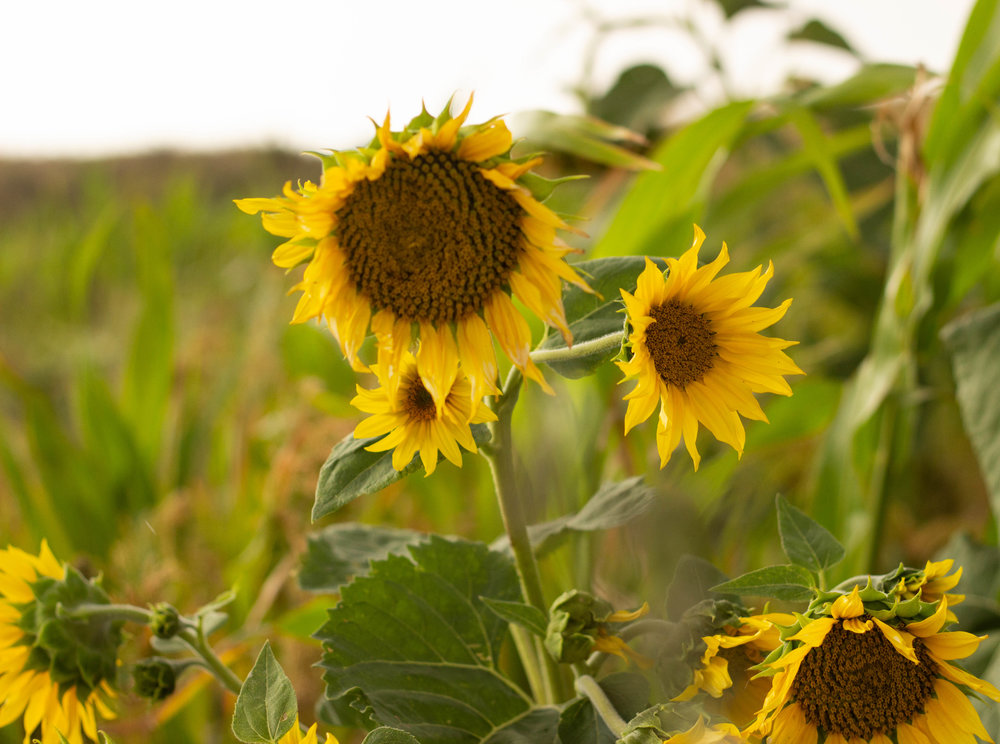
(525, 615)
(581, 724)
(586, 137)
(732, 7)
(613, 505)
(637, 98)
(806, 542)
(351, 472)
(869, 84)
(780, 582)
(387, 735)
(819, 32)
(693, 580)
(342, 551)
(266, 708)
(658, 202)
(417, 641)
(593, 316)
(974, 342)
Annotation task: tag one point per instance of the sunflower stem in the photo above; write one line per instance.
(588, 687)
(500, 455)
(195, 638)
(128, 613)
(584, 348)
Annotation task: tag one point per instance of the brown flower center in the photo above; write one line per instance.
(417, 402)
(680, 343)
(859, 685)
(430, 239)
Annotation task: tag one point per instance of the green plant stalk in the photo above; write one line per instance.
(592, 346)
(500, 454)
(193, 635)
(588, 687)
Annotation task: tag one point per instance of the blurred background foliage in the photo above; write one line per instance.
(163, 424)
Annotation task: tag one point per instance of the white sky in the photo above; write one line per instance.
(109, 76)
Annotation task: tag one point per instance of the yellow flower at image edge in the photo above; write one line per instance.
(430, 229)
(412, 422)
(700, 733)
(856, 679)
(695, 350)
(295, 736)
(28, 688)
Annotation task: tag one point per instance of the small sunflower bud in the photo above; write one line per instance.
(574, 624)
(166, 621)
(155, 679)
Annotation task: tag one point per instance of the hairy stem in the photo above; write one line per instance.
(588, 687)
(584, 348)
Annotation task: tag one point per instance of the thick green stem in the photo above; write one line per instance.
(128, 613)
(587, 686)
(584, 348)
(500, 454)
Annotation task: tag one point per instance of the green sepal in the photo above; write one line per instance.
(328, 159)
(423, 120)
(541, 187)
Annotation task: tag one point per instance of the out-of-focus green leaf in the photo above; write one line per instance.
(613, 505)
(816, 146)
(870, 84)
(351, 471)
(581, 723)
(593, 316)
(970, 95)
(805, 542)
(343, 551)
(693, 580)
(386, 735)
(732, 7)
(265, 708)
(779, 582)
(657, 201)
(637, 98)
(820, 33)
(85, 257)
(974, 342)
(586, 137)
(414, 637)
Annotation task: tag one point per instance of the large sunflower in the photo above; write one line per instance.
(36, 684)
(852, 677)
(410, 421)
(429, 232)
(695, 350)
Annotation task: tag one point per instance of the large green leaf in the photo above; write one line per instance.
(658, 202)
(867, 85)
(343, 551)
(780, 582)
(613, 505)
(806, 542)
(386, 735)
(351, 471)
(584, 136)
(974, 342)
(593, 316)
(266, 707)
(416, 641)
(818, 32)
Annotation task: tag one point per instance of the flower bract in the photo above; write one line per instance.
(695, 350)
(54, 673)
(411, 420)
(428, 232)
(848, 676)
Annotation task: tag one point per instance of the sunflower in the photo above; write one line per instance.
(37, 684)
(695, 350)
(724, 667)
(933, 583)
(853, 677)
(295, 736)
(412, 419)
(429, 232)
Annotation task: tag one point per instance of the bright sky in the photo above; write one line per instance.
(112, 76)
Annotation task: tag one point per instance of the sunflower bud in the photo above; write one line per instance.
(578, 625)
(166, 621)
(155, 679)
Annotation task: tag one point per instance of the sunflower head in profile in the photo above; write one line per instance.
(412, 419)
(428, 232)
(56, 673)
(694, 349)
(724, 671)
(867, 668)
